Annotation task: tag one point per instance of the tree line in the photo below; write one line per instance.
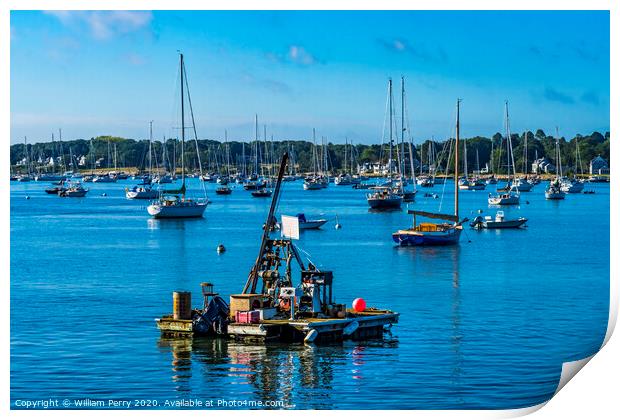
(104, 151)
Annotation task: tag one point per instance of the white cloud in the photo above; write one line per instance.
(135, 59)
(299, 55)
(105, 24)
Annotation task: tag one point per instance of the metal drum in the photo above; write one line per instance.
(181, 305)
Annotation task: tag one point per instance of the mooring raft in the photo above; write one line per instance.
(271, 307)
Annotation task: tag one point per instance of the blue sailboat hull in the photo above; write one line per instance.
(450, 237)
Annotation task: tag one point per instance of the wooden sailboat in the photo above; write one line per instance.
(173, 203)
(447, 232)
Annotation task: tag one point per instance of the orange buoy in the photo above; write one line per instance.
(359, 305)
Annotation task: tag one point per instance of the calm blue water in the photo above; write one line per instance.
(486, 324)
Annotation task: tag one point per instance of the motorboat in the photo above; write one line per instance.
(384, 198)
(499, 222)
(141, 192)
(504, 199)
(263, 192)
(223, 190)
(73, 190)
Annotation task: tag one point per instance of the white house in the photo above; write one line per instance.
(599, 166)
(543, 165)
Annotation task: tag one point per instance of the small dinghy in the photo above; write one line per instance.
(223, 190)
(499, 222)
(263, 192)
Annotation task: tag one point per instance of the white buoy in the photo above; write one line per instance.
(27, 197)
(311, 336)
(221, 249)
(338, 225)
(104, 195)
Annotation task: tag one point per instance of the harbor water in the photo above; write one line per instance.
(486, 324)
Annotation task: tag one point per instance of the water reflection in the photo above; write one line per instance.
(299, 375)
(457, 335)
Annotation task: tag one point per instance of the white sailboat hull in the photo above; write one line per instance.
(159, 211)
(312, 186)
(504, 200)
(550, 195)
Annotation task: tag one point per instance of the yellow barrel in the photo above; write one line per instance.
(182, 305)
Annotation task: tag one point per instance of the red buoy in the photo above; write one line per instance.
(359, 305)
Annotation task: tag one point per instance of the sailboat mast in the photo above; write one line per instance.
(456, 160)
(256, 144)
(525, 155)
(391, 139)
(464, 158)
(558, 166)
(182, 132)
(314, 157)
(511, 156)
(402, 127)
(150, 143)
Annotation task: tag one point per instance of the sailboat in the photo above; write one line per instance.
(444, 233)
(344, 178)
(554, 189)
(253, 182)
(508, 196)
(574, 185)
(470, 183)
(173, 203)
(384, 197)
(224, 189)
(106, 178)
(313, 182)
(522, 184)
(28, 176)
(491, 180)
(407, 194)
(144, 191)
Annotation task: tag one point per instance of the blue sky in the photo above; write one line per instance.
(96, 73)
